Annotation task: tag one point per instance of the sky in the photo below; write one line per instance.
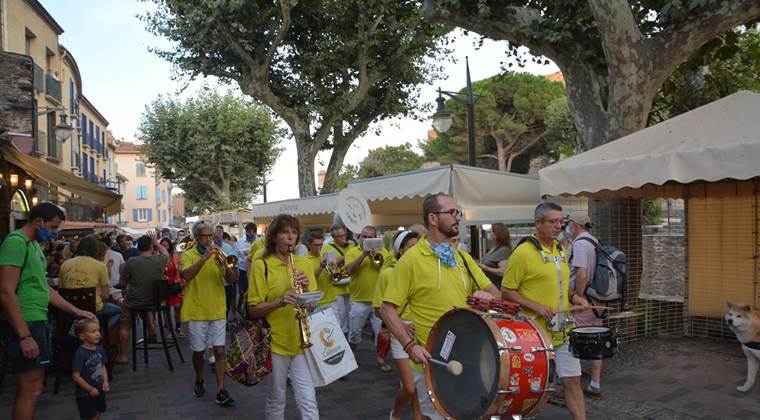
(120, 76)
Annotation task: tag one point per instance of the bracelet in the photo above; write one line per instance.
(20, 339)
(407, 344)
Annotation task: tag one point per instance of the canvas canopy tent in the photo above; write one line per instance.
(720, 140)
(709, 157)
(486, 196)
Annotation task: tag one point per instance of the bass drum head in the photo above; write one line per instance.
(464, 336)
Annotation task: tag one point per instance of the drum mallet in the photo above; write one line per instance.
(453, 367)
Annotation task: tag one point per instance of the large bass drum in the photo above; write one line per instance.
(508, 365)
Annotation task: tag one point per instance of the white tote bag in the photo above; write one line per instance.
(329, 358)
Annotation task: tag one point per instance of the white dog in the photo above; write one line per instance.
(745, 323)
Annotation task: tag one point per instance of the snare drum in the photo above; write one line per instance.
(508, 365)
(592, 343)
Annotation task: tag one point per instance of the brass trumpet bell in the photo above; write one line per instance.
(186, 243)
(377, 259)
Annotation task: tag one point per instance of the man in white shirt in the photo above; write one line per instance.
(242, 247)
(115, 263)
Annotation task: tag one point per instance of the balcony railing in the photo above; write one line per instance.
(39, 78)
(53, 88)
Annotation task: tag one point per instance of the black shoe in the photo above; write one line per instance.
(223, 398)
(199, 389)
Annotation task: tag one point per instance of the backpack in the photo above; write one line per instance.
(610, 276)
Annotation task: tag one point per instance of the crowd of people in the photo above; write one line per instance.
(401, 291)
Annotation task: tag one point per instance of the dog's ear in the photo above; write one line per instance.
(729, 304)
(746, 308)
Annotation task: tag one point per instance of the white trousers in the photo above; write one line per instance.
(357, 317)
(426, 404)
(341, 311)
(296, 368)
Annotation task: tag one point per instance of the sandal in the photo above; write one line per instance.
(384, 367)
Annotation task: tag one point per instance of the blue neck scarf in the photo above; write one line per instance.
(445, 253)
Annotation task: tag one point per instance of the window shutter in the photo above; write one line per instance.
(150, 215)
(134, 215)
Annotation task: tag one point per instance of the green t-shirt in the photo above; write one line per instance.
(32, 290)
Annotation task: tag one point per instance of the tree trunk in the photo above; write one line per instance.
(341, 144)
(500, 156)
(305, 165)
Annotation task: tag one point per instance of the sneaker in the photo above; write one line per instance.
(180, 334)
(223, 398)
(593, 392)
(392, 417)
(199, 389)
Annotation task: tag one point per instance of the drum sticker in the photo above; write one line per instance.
(529, 357)
(516, 364)
(504, 407)
(448, 344)
(527, 334)
(509, 335)
(528, 371)
(535, 383)
(528, 402)
(514, 380)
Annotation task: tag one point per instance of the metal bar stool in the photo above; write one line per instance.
(161, 308)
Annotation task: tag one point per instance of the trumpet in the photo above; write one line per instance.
(302, 315)
(377, 259)
(224, 260)
(336, 273)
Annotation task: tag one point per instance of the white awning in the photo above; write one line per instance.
(717, 141)
(486, 196)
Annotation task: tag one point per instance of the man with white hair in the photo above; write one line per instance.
(203, 306)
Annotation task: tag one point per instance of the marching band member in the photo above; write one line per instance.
(364, 275)
(272, 296)
(538, 278)
(340, 246)
(203, 306)
(430, 279)
(314, 240)
(401, 242)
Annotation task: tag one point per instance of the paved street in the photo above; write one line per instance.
(663, 379)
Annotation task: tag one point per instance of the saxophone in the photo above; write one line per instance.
(302, 315)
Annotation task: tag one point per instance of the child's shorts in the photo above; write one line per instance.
(89, 407)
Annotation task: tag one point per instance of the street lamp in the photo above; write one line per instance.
(442, 119)
(63, 130)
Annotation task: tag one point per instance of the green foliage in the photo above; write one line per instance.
(389, 160)
(511, 116)
(725, 65)
(215, 147)
(651, 212)
(562, 139)
(347, 174)
(328, 68)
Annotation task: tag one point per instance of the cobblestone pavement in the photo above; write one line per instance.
(659, 378)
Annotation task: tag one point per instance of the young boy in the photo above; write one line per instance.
(89, 371)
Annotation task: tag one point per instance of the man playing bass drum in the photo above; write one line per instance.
(432, 278)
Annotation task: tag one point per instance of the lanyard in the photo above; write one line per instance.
(461, 275)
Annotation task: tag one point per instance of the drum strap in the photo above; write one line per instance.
(467, 266)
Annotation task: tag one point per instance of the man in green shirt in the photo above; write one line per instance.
(24, 299)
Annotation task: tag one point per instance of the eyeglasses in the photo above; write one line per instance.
(554, 221)
(210, 235)
(451, 212)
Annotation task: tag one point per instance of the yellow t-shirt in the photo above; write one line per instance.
(415, 282)
(204, 298)
(364, 280)
(382, 285)
(82, 272)
(340, 252)
(324, 283)
(534, 279)
(256, 246)
(270, 286)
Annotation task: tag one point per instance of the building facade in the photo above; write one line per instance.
(147, 198)
(71, 170)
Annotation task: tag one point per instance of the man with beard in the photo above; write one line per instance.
(24, 299)
(431, 279)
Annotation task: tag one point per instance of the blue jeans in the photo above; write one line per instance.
(109, 313)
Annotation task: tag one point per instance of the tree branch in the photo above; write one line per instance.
(618, 30)
(677, 44)
(286, 6)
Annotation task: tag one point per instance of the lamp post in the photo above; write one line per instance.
(63, 130)
(442, 121)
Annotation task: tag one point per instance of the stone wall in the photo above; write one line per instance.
(16, 93)
(664, 272)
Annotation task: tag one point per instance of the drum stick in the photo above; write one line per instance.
(453, 367)
(575, 308)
